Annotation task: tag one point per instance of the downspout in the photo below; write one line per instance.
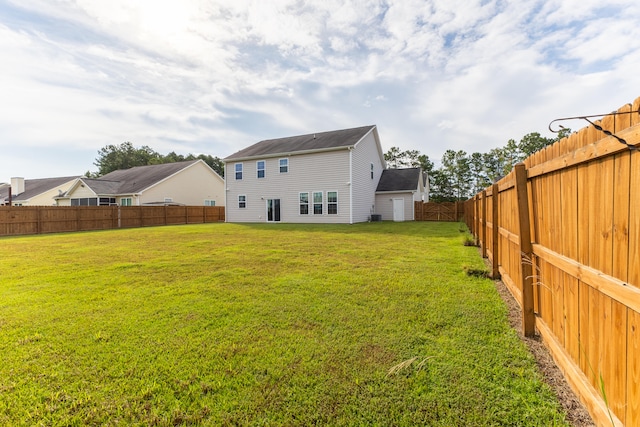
(350, 185)
(226, 194)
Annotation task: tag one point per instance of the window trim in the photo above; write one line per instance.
(238, 171)
(264, 169)
(242, 204)
(301, 204)
(280, 166)
(313, 199)
(329, 203)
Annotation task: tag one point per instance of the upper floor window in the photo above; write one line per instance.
(317, 203)
(371, 170)
(332, 202)
(242, 201)
(284, 165)
(260, 168)
(238, 170)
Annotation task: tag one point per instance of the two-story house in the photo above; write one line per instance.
(326, 177)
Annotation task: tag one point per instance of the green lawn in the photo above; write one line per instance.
(261, 325)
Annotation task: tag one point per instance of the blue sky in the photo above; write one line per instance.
(211, 77)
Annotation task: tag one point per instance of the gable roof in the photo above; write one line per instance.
(132, 180)
(136, 179)
(312, 142)
(35, 187)
(407, 179)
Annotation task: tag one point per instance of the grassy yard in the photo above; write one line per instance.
(261, 325)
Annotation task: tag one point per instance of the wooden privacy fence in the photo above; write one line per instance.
(21, 220)
(431, 211)
(563, 232)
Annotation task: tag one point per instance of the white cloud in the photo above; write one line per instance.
(214, 76)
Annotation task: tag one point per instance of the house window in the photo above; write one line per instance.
(209, 202)
(168, 200)
(371, 170)
(107, 201)
(238, 170)
(242, 201)
(332, 202)
(126, 201)
(85, 201)
(317, 203)
(260, 167)
(304, 203)
(284, 165)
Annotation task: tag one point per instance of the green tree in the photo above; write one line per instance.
(532, 142)
(393, 157)
(494, 164)
(124, 156)
(455, 165)
(441, 187)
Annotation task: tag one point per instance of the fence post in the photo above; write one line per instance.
(476, 221)
(38, 221)
(495, 270)
(526, 249)
(483, 233)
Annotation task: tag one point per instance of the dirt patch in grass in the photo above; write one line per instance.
(577, 414)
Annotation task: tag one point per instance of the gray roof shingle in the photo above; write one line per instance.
(399, 179)
(311, 142)
(135, 179)
(34, 187)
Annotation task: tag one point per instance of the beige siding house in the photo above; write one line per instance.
(397, 191)
(191, 183)
(327, 177)
(35, 192)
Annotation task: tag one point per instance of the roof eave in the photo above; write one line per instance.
(287, 154)
(396, 191)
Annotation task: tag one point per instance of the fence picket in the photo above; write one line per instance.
(22, 220)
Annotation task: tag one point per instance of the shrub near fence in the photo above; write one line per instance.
(21, 220)
(563, 231)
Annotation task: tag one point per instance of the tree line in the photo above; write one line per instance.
(462, 175)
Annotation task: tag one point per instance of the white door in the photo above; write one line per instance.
(398, 209)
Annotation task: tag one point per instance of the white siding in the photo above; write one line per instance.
(324, 171)
(384, 205)
(364, 188)
(190, 186)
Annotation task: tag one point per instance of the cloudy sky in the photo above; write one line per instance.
(213, 76)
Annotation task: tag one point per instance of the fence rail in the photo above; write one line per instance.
(21, 220)
(431, 211)
(563, 232)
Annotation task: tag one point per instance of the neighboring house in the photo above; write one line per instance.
(191, 183)
(327, 177)
(397, 191)
(35, 192)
